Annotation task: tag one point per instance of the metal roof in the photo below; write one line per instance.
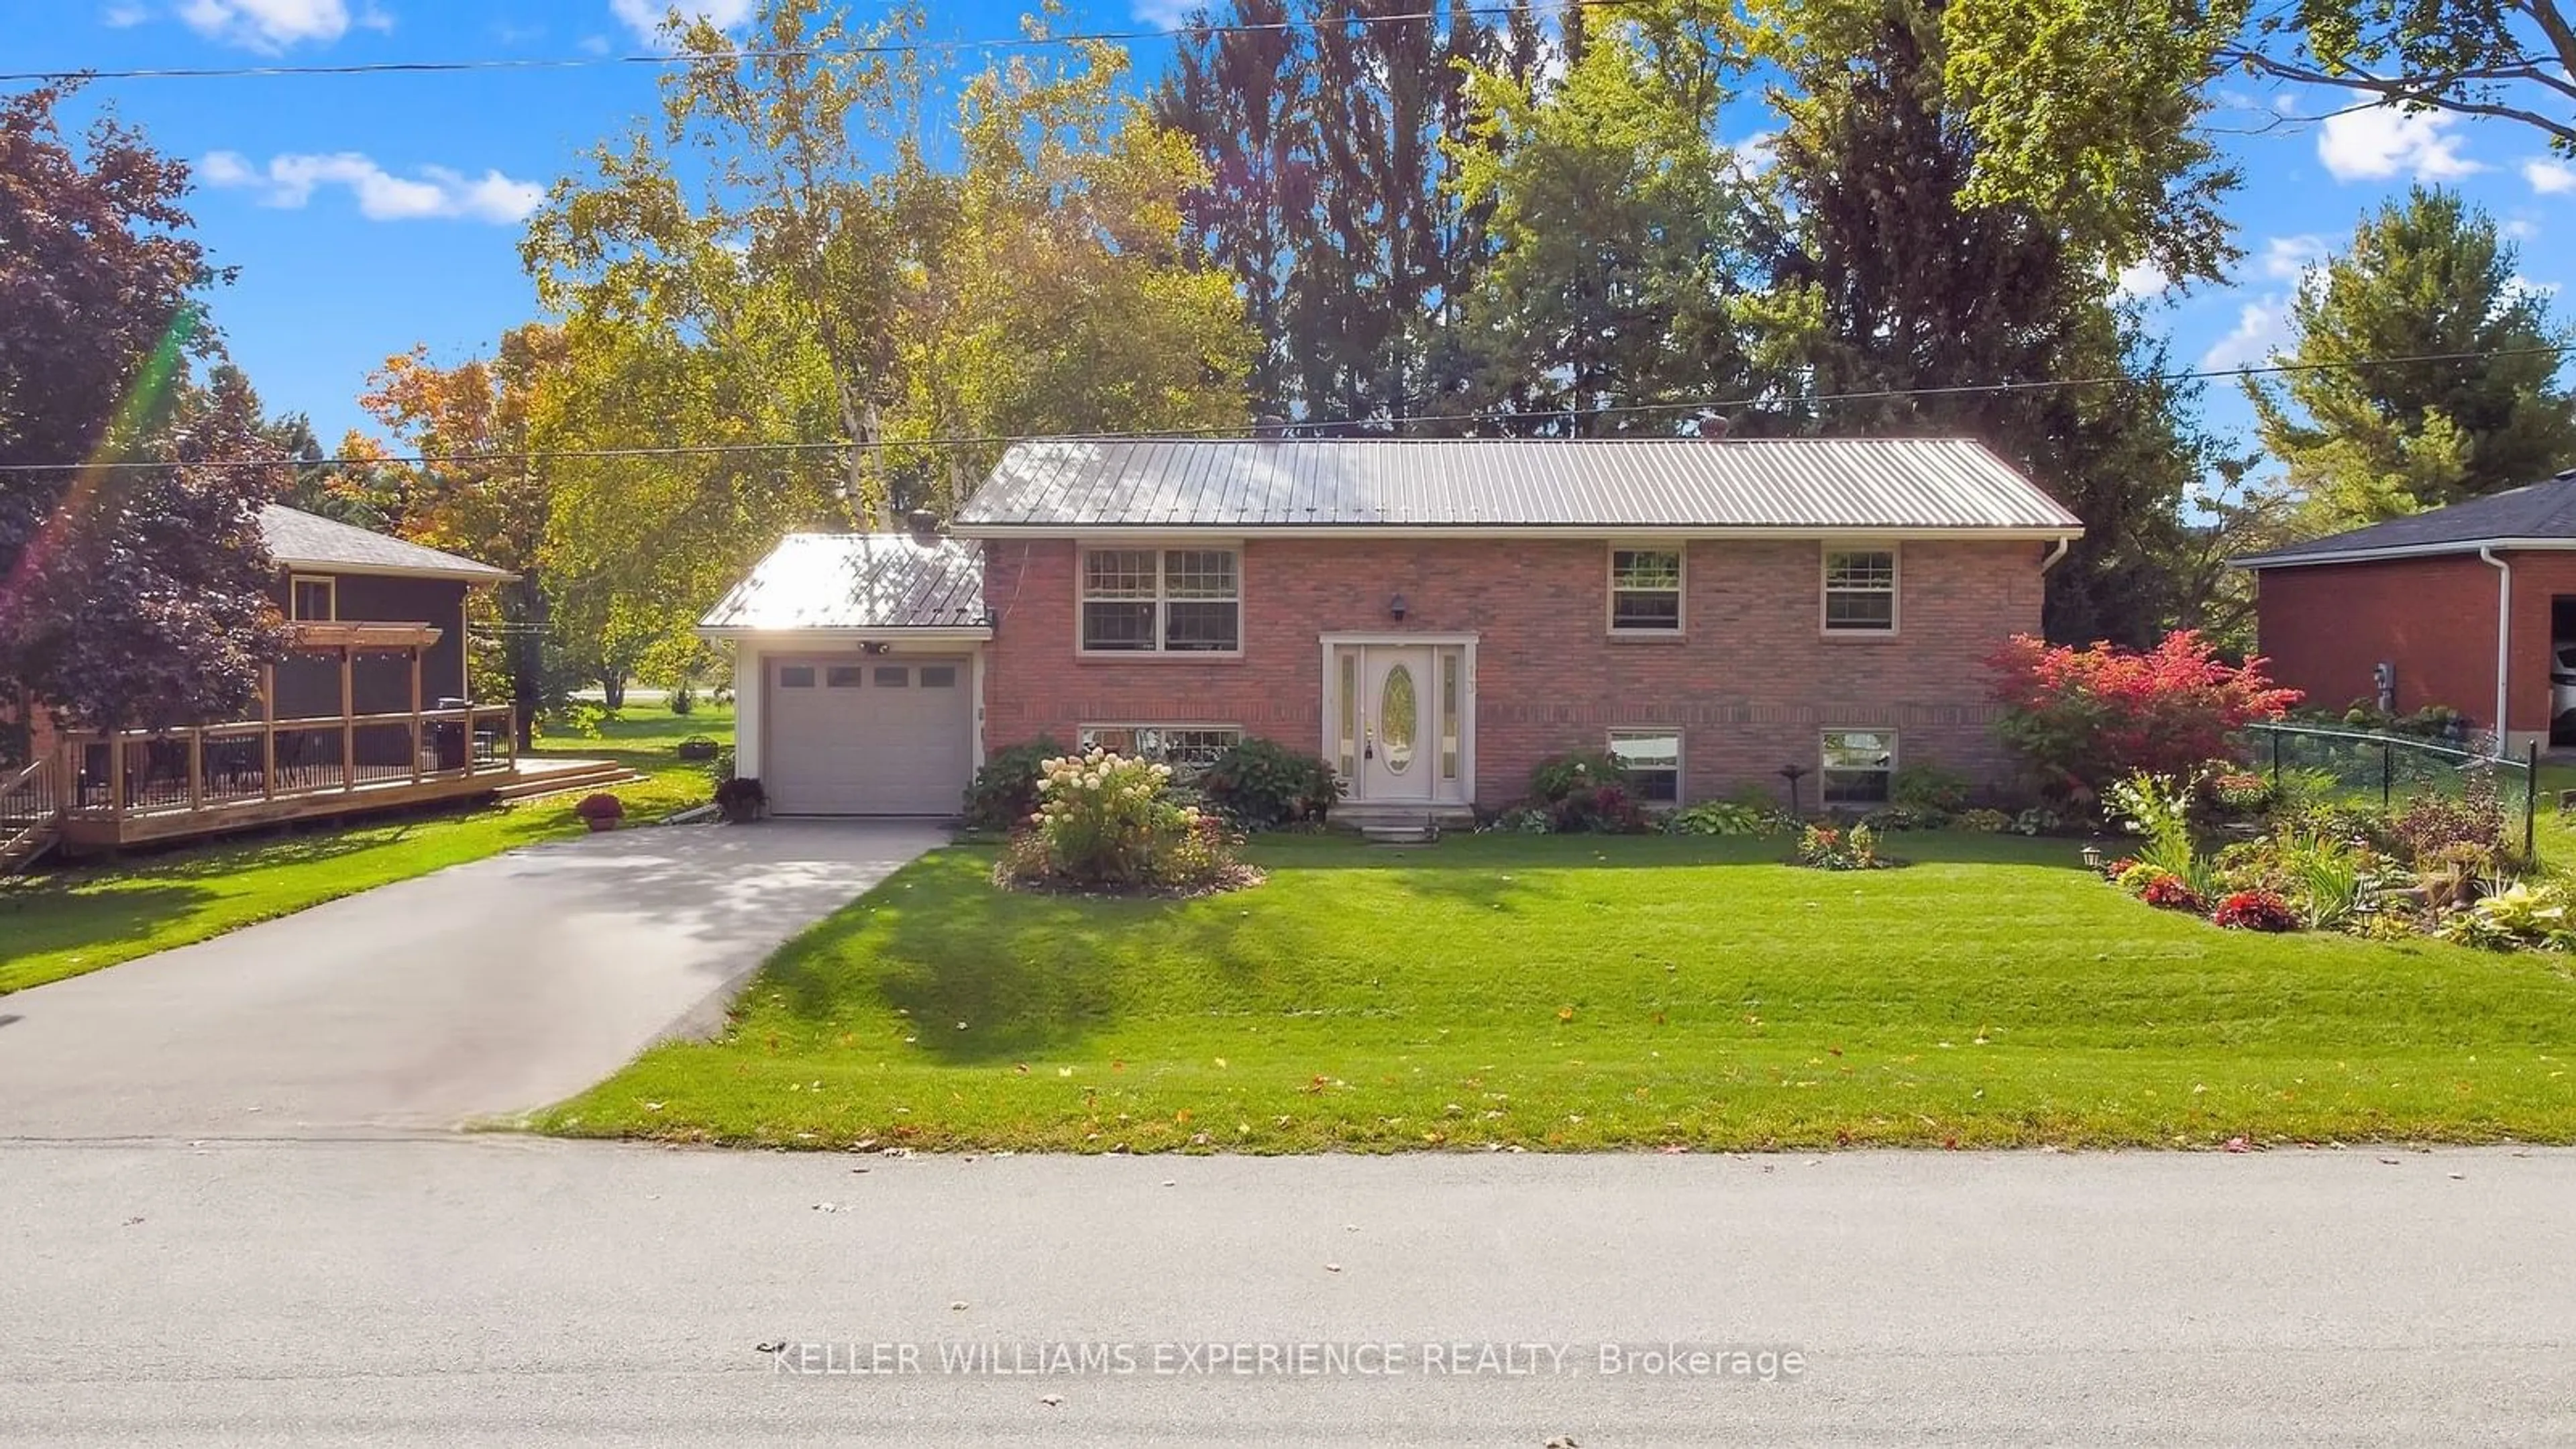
(2540, 511)
(856, 581)
(297, 540)
(1825, 484)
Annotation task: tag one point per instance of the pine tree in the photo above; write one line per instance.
(2425, 276)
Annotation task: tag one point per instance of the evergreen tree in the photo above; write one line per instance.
(2425, 276)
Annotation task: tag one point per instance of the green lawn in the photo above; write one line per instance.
(1579, 993)
(81, 917)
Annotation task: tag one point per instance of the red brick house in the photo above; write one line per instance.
(1432, 617)
(2466, 606)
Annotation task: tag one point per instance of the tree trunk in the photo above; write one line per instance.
(612, 688)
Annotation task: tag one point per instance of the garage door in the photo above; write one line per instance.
(868, 736)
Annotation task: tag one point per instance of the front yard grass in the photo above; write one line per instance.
(79, 918)
(1570, 992)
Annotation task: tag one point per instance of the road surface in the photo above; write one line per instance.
(507, 1291)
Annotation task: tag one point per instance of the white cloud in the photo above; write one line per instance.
(289, 181)
(2529, 288)
(2549, 178)
(645, 17)
(2287, 258)
(2262, 325)
(2522, 229)
(594, 45)
(1756, 153)
(123, 17)
(2141, 279)
(273, 24)
(2380, 142)
(1165, 14)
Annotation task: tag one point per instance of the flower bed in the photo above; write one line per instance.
(1109, 825)
(2437, 866)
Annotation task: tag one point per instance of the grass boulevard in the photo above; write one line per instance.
(1564, 993)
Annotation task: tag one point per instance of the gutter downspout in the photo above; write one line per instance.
(2064, 542)
(2504, 641)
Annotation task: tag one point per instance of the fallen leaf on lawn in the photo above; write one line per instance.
(2238, 1144)
(1064, 1071)
(1022, 1069)
(1565, 1013)
(1220, 1061)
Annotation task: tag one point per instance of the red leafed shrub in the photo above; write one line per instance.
(2086, 717)
(2173, 893)
(2256, 911)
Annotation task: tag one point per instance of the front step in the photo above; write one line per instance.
(1382, 824)
(564, 781)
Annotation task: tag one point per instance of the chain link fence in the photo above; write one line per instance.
(2384, 770)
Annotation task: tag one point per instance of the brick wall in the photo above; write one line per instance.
(1751, 684)
(2325, 625)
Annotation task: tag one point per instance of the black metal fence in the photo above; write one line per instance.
(2389, 770)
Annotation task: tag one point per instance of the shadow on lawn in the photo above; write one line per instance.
(1029, 973)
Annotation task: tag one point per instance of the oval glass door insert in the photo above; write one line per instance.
(1397, 716)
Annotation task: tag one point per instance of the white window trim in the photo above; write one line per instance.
(1091, 726)
(1895, 758)
(1081, 596)
(330, 584)
(1895, 591)
(1611, 591)
(1681, 758)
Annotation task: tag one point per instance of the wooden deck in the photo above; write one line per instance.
(139, 786)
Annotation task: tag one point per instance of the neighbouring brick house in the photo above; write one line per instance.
(1433, 617)
(2466, 606)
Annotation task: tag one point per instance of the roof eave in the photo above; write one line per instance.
(2039, 533)
(474, 574)
(2255, 562)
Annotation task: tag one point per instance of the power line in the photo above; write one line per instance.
(980, 440)
(658, 59)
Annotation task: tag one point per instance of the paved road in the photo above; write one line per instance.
(487, 988)
(501, 1290)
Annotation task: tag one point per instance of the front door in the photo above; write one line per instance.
(1398, 709)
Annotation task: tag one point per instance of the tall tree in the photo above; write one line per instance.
(1899, 275)
(824, 244)
(483, 493)
(128, 595)
(2425, 276)
(1621, 222)
(1332, 148)
(1244, 95)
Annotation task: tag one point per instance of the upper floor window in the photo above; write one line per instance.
(1860, 591)
(1161, 600)
(313, 598)
(1645, 590)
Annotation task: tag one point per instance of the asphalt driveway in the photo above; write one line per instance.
(483, 990)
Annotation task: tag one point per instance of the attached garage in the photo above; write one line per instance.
(858, 680)
(882, 736)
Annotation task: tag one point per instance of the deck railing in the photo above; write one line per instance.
(220, 767)
(31, 798)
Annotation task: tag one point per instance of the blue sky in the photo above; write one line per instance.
(370, 213)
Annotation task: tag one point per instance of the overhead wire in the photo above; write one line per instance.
(1303, 426)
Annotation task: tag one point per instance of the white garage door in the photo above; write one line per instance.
(866, 736)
